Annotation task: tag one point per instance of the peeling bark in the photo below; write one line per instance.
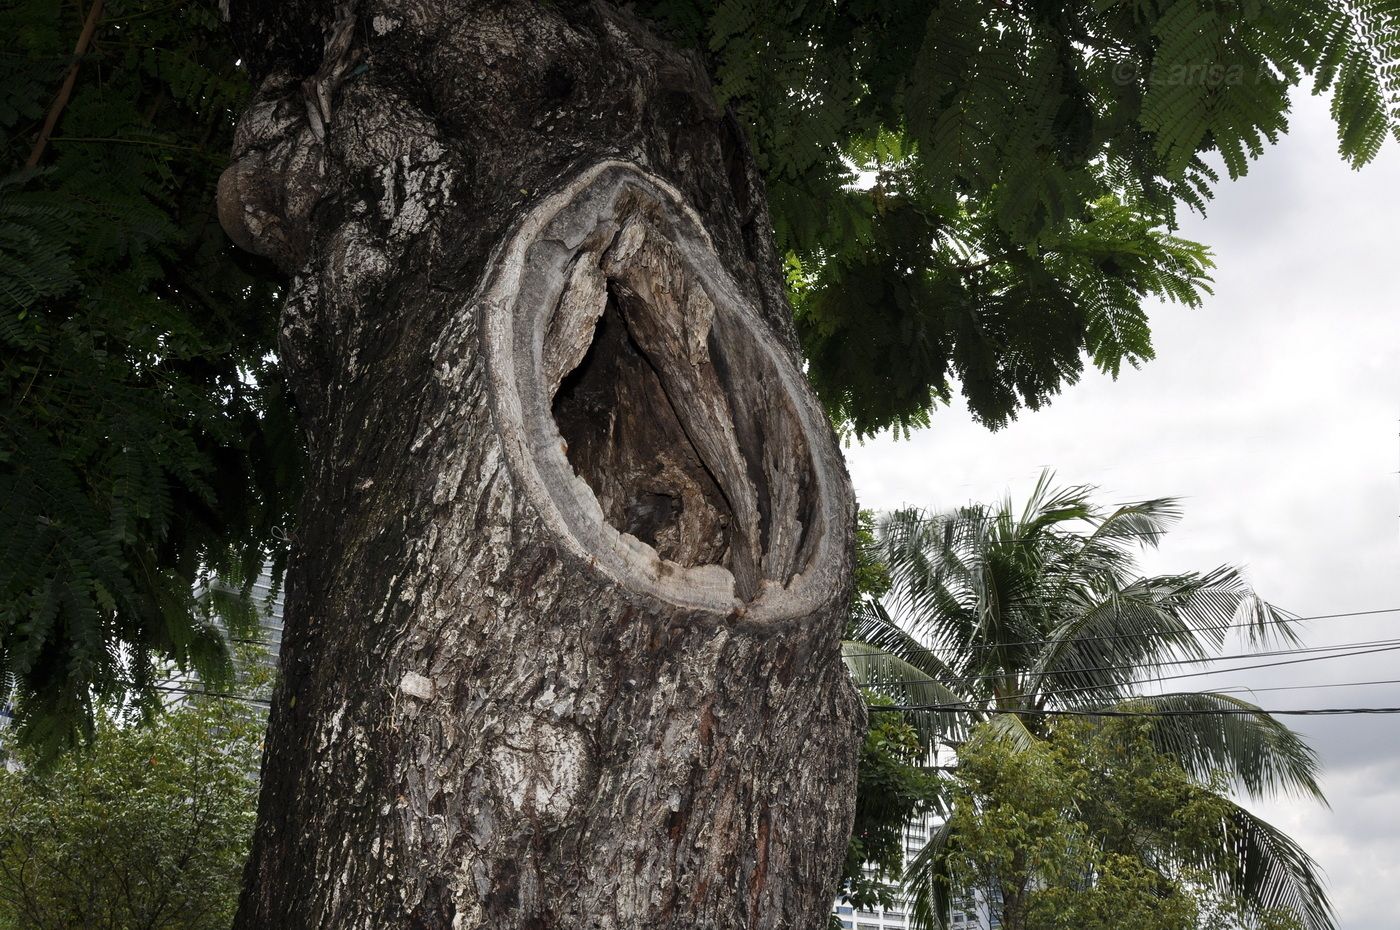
(563, 618)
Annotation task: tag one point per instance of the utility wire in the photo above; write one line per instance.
(1243, 668)
(973, 705)
(1210, 712)
(1221, 671)
(214, 694)
(1200, 660)
(1240, 689)
(1091, 537)
(1191, 629)
(1352, 649)
(1076, 543)
(1160, 678)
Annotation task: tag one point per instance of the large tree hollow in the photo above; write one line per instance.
(628, 439)
(664, 425)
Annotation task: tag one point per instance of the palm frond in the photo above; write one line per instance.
(966, 582)
(1011, 729)
(1047, 507)
(1270, 872)
(1093, 653)
(937, 580)
(886, 673)
(885, 659)
(873, 626)
(1143, 523)
(1106, 632)
(1259, 752)
(927, 882)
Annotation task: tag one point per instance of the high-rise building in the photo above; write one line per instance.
(969, 912)
(180, 685)
(7, 718)
(269, 617)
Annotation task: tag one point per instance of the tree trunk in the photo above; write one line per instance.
(563, 617)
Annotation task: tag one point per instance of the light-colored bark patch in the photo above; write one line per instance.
(539, 767)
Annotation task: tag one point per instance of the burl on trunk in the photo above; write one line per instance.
(567, 589)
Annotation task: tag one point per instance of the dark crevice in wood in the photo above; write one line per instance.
(674, 419)
(627, 440)
(632, 305)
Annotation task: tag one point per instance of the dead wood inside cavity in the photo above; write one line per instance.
(671, 416)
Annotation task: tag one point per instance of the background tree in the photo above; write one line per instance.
(895, 780)
(145, 828)
(999, 613)
(895, 786)
(1093, 828)
(979, 193)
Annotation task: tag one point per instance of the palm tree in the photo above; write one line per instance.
(997, 614)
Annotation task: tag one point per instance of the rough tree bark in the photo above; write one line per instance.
(563, 618)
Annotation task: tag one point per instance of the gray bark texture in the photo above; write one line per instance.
(566, 597)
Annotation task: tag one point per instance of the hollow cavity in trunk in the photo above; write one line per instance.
(627, 438)
(673, 415)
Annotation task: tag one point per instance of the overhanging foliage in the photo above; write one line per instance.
(981, 193)
(147, 439)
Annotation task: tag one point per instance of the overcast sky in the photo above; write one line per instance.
(1274, 411)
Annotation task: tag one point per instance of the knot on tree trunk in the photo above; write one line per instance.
(265, 197)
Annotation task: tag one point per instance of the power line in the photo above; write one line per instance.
(1196, 629)
(1198, 660)
(1062, 535)
(1354, 649)
(973, 705)
(1208, 712)
(1221, 671)
(1063, 691)
(878, 547)
(214, 694)
(1242, 668)
(1340, 684)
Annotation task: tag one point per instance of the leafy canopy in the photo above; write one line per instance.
(980, 191)
(146, 437)
(969, 191)
(895, 788)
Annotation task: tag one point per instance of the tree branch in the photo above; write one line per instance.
(66, 91)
